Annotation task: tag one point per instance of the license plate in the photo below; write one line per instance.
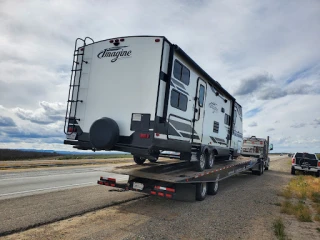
(138, 186)
(72, 136)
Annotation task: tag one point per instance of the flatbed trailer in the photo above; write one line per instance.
(178, 180)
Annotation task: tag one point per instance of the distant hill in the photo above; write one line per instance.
(22, 154)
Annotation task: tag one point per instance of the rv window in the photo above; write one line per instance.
(181, 73)
(179, 100)
(185, 78)
(215, 127)
(177, 69)
(201, 95)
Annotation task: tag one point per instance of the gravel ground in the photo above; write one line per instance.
(244, 208)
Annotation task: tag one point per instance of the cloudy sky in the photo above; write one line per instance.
(265, 53)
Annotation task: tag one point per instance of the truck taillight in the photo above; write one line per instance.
(293, 160)
(318, 163)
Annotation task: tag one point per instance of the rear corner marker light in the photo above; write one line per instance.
(161, 194)
(157, 40)
(168, 195)
(153, 193)
(144, 135)
(122, 40)
(170, 190)
(111, 41)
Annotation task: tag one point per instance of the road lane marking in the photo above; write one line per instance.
(43, 189)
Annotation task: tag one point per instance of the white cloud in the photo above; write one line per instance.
(233, 41)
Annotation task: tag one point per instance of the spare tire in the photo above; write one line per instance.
(104, 133)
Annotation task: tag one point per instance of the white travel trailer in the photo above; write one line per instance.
(144, 95)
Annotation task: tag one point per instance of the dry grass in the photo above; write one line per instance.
(304, 189)
(299, 209)
(278, 228)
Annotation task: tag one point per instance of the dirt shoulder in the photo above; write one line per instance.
(244, 208)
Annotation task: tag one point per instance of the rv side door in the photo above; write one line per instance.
(200, 99)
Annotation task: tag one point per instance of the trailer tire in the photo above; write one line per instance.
(210, 160)
(213, 188)
(139, 160)
(293, 171)
(200, 165)
(201, 191)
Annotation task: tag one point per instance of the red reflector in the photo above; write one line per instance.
(111, 179)
(161, 194)
(157, 134)
(122, 40)
(144, 135)
(168, 195)
(153, 193)
(111, 41)
(170, 190)
(112, 185)
(107, 184)
(157, 187)
(157, 40)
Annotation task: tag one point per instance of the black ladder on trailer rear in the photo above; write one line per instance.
(178, 180)
(70, 121)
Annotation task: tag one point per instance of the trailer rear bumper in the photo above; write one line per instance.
(181, 192)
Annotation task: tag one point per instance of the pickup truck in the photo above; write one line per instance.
(306, 162)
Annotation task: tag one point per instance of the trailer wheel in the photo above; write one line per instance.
(201, 164)
(213, 188)
(210, 161)
(139, 160)
(293, 171)
(201, 191)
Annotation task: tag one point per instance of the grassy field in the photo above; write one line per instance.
(302, 198)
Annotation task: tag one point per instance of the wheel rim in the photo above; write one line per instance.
(216, 185)
(202, 161)
(203, 189)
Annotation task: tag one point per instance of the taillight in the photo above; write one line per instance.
(318, 163)
(71, 129)
(144, 135)
(293, 160)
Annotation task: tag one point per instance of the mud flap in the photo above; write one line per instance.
(185, 192)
